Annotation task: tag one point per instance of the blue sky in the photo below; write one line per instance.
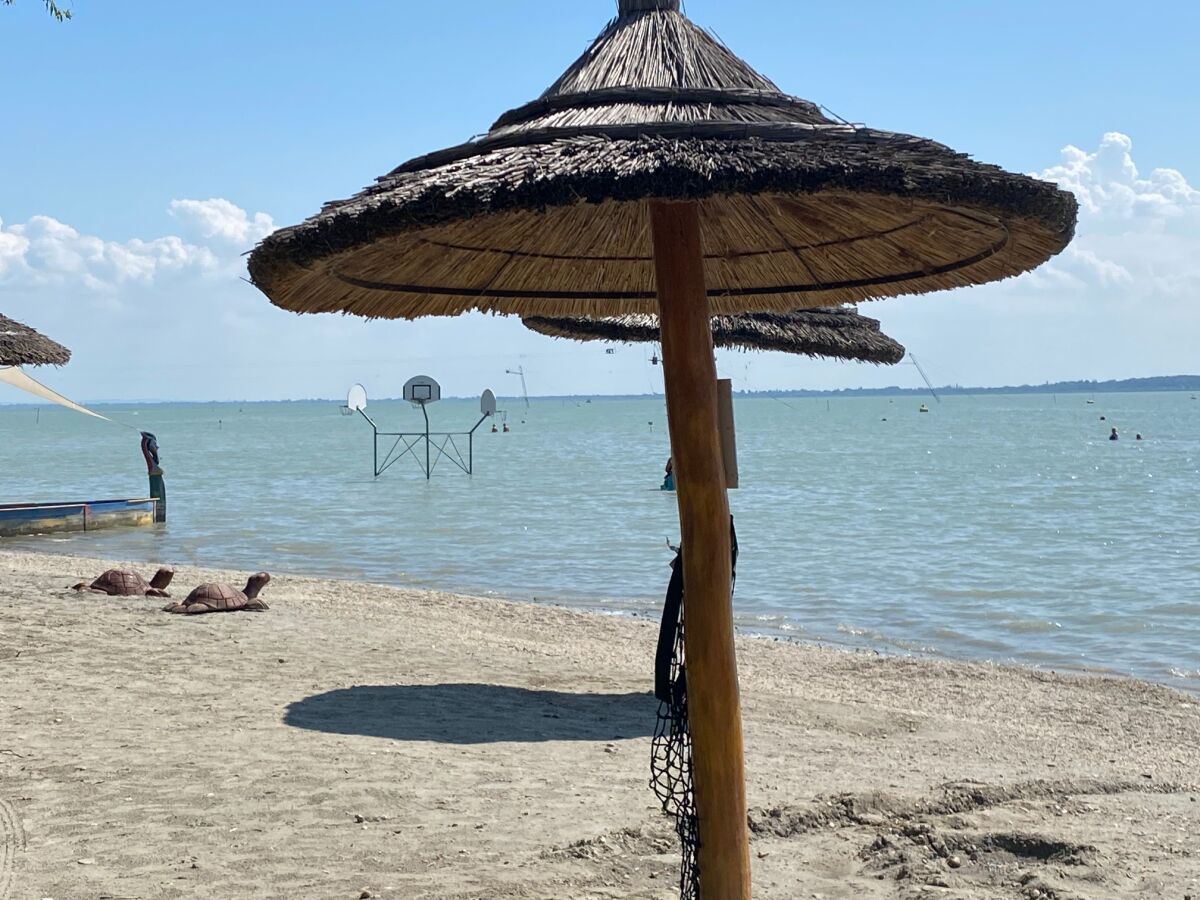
(143, 130)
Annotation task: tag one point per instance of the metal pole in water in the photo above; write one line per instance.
(425, 412)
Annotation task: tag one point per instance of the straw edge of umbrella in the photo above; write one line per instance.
(820, 334)
(21, 345)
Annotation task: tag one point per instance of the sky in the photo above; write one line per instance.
(146, 147)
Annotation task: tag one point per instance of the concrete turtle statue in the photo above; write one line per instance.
(208, 598)
(126, 583)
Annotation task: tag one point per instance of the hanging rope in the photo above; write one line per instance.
(671, 749)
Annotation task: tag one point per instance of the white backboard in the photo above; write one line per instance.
(356, 400)
(487, 403)
(421, 390)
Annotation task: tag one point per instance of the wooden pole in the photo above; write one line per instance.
(714, 709)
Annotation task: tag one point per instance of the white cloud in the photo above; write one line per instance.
(217, 218)
(46, 252)
(1123, 300)
(1138, 238)
(13, 248)
(1110, 190)
(1103, 271)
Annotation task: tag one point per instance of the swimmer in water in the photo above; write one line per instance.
(1138, 436)
(1114, 436)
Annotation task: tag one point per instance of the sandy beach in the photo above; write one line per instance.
(359, 738)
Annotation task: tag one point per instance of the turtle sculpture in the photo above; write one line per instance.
(223, 598)
(124, 583)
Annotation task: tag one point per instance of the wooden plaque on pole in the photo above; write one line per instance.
(728, 432)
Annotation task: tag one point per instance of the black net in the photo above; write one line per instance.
(671, 750)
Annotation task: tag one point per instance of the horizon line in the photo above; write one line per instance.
(1167, 383)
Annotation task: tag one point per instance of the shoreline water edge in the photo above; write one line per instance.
(853, 641)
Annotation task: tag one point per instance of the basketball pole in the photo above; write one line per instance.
(428, 471)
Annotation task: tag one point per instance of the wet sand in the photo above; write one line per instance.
(409, 744)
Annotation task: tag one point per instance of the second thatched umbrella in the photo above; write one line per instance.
(20, 345)
(662, 174)
(832, 333)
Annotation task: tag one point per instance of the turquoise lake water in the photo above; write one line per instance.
(1006, 528)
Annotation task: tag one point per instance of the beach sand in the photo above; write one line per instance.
(414, 744)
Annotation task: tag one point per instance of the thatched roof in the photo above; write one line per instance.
(546, 214)
(20, 345)
(833, 333)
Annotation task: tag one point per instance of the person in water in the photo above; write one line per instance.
(1138, 436)
(669, 478)
(1114, 436)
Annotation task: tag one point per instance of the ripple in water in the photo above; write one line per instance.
(993, 527)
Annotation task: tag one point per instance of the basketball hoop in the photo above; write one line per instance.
(437, 446)
(421, 390)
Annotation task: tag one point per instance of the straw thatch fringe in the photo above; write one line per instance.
(828, 333)
(547, 214)
(20, 345)
(787, 225)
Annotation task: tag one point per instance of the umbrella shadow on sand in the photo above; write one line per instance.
(475, 714)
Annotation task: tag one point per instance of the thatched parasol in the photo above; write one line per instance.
(835, 333)
(20, 345)
(546, 214)
(661, 174)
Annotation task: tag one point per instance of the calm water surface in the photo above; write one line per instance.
(994, 527)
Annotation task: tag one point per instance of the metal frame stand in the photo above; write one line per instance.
(438, 445)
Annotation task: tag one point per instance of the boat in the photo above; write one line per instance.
(923, 408)
(89, 515)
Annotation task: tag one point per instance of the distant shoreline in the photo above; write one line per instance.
(1161, 384)
(1157, 384)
